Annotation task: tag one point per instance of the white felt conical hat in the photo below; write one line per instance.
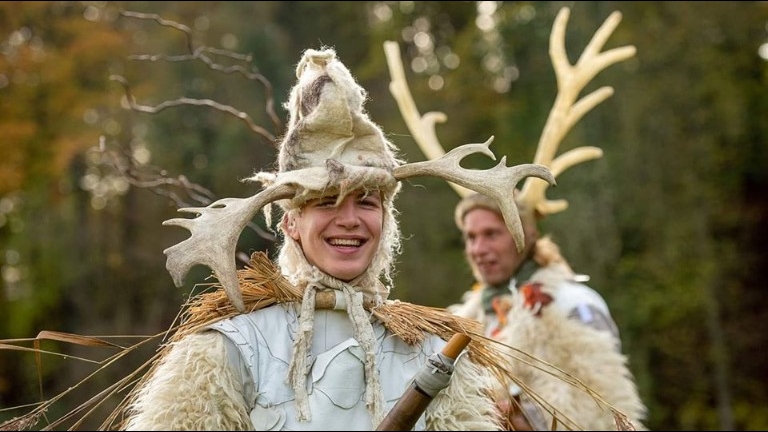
(331, 144)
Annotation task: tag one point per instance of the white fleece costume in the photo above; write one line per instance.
(574, 333)
(234, 378)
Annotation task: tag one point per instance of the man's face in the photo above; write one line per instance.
(342, 239)
(489, 247)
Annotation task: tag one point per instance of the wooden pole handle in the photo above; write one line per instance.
(456, 345)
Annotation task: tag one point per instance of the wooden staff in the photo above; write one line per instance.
(432, 378)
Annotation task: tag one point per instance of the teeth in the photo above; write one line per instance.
(345, 242)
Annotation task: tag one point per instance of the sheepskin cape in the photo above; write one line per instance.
(195, 389)
(191, 385)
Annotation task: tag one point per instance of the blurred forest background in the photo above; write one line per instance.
(670, 224)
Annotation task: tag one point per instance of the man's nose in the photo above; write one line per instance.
(477, 246)
(347, 213)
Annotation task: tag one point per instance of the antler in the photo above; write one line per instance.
(422, 127)
(566, 111)
(495, 182)
(214, 238)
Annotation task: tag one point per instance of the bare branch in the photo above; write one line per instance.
(179, 190)
(131, 100)
(163, 22)
(199, 54)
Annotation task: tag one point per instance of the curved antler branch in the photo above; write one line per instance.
(497, 182)
(214, 238)
(566, 110)
(574, 157)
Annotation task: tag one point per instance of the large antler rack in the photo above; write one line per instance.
(495, 182)
(566, 110)
(215, 232)
(217, 227)
(564, 114)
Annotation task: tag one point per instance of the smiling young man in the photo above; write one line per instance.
(500, 269)
(339, 238)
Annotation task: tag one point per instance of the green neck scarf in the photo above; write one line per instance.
(490, 292)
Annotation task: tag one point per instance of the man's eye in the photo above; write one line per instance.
(370, 201)
(326, 202)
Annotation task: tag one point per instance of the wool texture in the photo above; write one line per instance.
(193, 389)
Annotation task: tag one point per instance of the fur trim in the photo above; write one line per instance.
(546, 254)
(465, 404)
(565, 367)
(192, 389)
(598, 367)
(471, 306)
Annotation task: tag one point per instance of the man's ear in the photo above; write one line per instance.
(289, 226)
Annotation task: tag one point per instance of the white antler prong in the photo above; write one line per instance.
(568, 109)
(421, 127)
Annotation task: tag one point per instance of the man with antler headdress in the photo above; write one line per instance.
(315, 343)
(527, 296)
(531, 299)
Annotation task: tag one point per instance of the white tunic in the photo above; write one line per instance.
(260, 352)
